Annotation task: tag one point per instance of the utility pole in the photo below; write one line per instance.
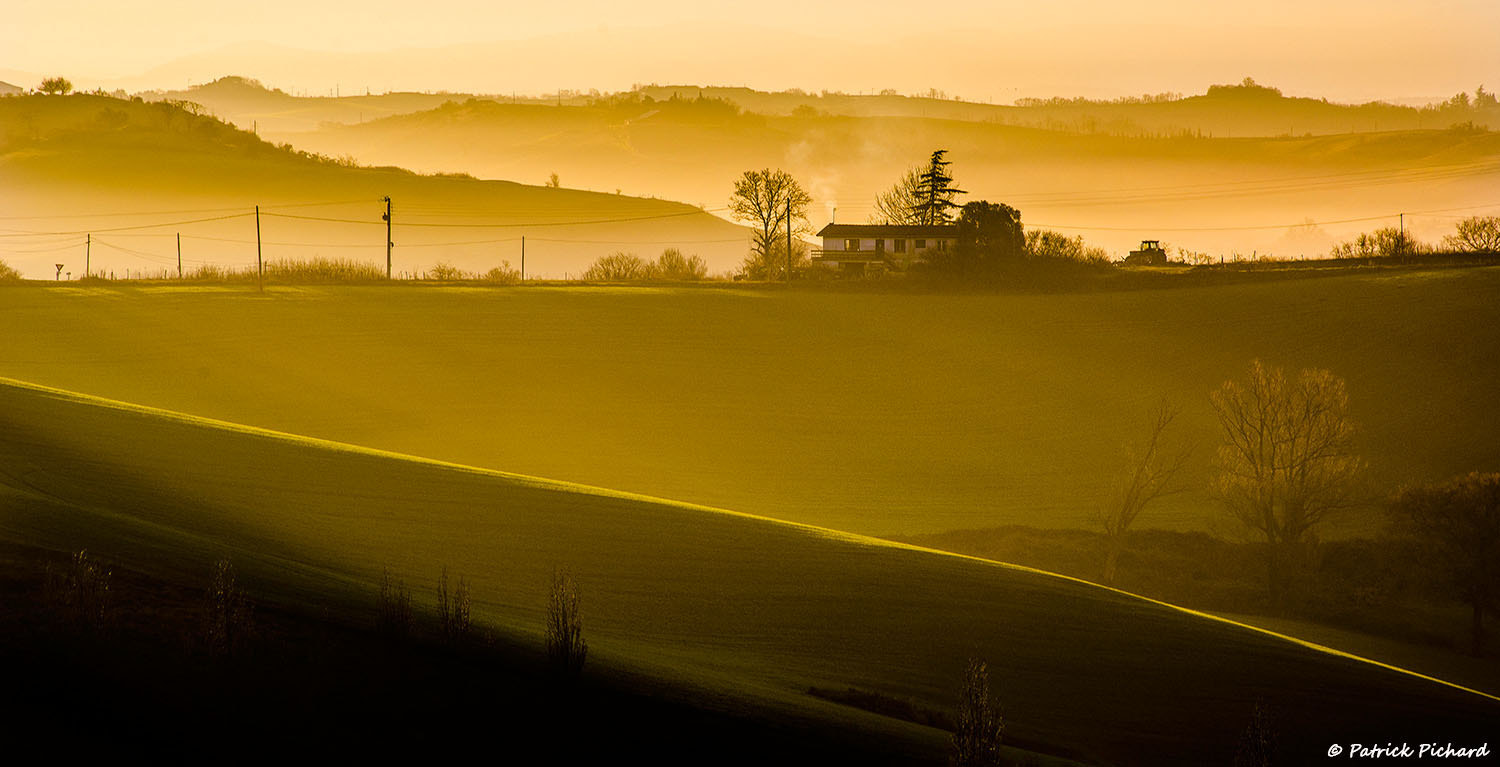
(88, 245)
(788, 239)
(179, 255)
(260, 267)
(1401, 246)
(388, 243)
(523, 258)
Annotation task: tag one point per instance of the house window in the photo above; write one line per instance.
(920, 245)
(942, 244)
(851, 244)
(880, 246)
(900, 246)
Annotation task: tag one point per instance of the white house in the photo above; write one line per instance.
(857, 248)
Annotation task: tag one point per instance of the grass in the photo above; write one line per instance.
(737, 606)
(329, 689)
(1365, 596)
(877, 412)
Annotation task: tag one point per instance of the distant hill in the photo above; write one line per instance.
(6, 89)
(1243, 110)
(248, 104)
(87, 163)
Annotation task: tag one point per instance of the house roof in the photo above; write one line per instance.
(887, 230)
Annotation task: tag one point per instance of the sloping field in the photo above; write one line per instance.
(875, 413)
(743, 606)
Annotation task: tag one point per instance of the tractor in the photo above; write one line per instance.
(1150, 253)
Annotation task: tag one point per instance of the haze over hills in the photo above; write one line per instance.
(124, 171)
(1191, 171)
(1223, 195)
(1239, 110)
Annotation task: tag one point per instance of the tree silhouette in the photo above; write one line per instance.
(566, 648)
(935, 192)
(989, 240)
(976, 738)
(899, 204)
(1455, 527)
(60, 86)
(775, 203)
(1287, 461)
(1258, 743)
(1476, 234)
(1148, 474)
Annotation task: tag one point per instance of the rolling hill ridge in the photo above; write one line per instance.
(738, 604)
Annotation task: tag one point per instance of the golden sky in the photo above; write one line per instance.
(1343, 49)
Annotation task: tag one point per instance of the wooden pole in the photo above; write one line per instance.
(523, 258)
(260, 266)
(1401, 246)
(179, 255)
(388, 242)
(789, 239)
(88, 245)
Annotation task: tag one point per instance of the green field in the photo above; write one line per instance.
(738, 606)
(877, 413)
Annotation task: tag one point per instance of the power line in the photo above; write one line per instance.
(278, 244)
(1257, 226)
(1242, 188)
(638, 242)
(71, 244)
(513, 225)
(1284, 183)
(178, 212)
(128, 228)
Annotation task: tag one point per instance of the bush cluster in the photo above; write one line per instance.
(671, 266)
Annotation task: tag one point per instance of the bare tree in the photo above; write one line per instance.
(1150, 469)
(1455, 527)
(1476, 234)
(454, 608)
(618, 267)
(228, 613)
(976, 737)
(776, 204)
(1287, 462)
(673, 265)
(395, 606)
(1258, 743)
(898, 205)
(566, 648)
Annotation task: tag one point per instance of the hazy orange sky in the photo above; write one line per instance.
(1343, 49)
